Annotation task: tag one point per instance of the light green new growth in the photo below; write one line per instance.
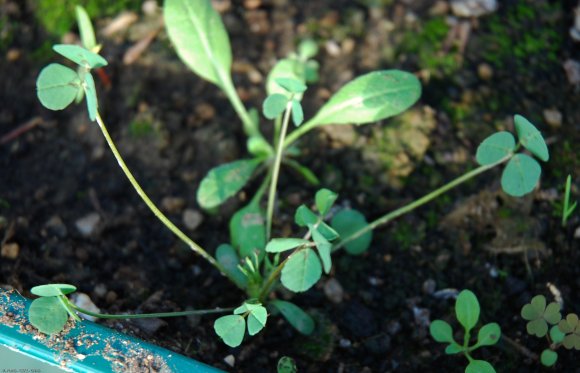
(567, 210)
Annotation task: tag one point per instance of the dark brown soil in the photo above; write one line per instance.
(58, 171)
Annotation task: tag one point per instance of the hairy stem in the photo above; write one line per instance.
(164, 219)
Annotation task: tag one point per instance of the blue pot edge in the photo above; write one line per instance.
(86, 347)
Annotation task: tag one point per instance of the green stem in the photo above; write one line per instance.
(420, 202)
(276, 171)
(466, 338)
(269, 283)
(228, 88)
(299, 132)
(189, 242)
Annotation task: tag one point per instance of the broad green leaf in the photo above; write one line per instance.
(535, 308)
(80, 56)
(291, 85)
(537, 327)
(307, 49)
(47, 315)
(247, 306)
(248, 231)
(91, 95)
(548, 357)
(441, 331)
(299, 319)
(52, 290)
(479, 366)
(556, 334)
(370, 98)
(346, 223)
(257, 320)
(57, 86)
(200, 38)
(303, 171)
(572, 341)
(324, 249)
(453, 348)
(552, 313)
(297, 113)
(495, 148)
(86, 28)
(259, 147)
(274, 105)
(305, 217)
(285, 68)
(521, 175)
(488, 335)
(324, 199)
(231, 329)
(311, 71)
(467, 309)
(301, 271)
(224, 181)
(278, 245)
(228, 258)
(286, 365)
(568, 324)
(531, 138)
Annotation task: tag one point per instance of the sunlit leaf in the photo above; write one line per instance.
(301, 271)
(278, 245)
(291, 85)
(47, 314)
(495, 148)
(531, 138)
(307, 49)
(57, 86)
(81, 56)
(91, 95)
(257, 320)
(86, 28)
(52, 290)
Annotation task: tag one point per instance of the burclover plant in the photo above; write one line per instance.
(255, 259)
(467, 312)
(546, 321)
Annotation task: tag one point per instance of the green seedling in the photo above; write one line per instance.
(567, 210)
(255, 259)
(546, 321)
(287, 365)
(467, 312)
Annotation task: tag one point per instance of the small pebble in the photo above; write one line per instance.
(111, 297)
(344, 343)
(473, 8)
(172, 205)
(55, 226)
(84, 301)
(333, 291)
(205, 111)
(230, 360)
(429, 286)
(484, 71)
(150, 7)
(13, 55)
(149, 325)
(100, 290)
(577, 233)
(252, 4)
(332, 48)
(192, 219)
(10, 250)
(440, 8)
(87, 224)
(553, 117)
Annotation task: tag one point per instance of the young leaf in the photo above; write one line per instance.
(80, 56)
(286, 365)
(479, 366)
(52, 290)
(224, 181)
(307, 49)
(441, 331)
(200, 38)
(248, 231)
(521, 175)
(257, 320)
(556, 334)
(346, 223)
(91, 94)
(86, 28)
(301, 271)
(324, 249)
(231, 329)
(274, 105)
(259, 147)
(324, 199)
(548, 357)
(57, 86)
(47, 314)
(488, 335)
(299, 319)
(247, 306)
(495, 147)
(371, 97)
(305, 217)
(453, 348)
(297, 113)
(285, 68)
(531, 138)
(467, 309)
(278, 245)
(229, 260)
(291, 85)
(304, 171)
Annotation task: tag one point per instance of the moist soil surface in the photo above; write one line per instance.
(68, 215)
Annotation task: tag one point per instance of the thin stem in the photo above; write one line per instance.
(300, 131)
(276, 171)
(188, 241)
(271, 280)
(231, 93)
(420, 202)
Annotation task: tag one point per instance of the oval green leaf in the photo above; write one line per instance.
(57, 86)
(521, 175)
(53, 290)
(228, 258)
(303, 171)
(274, 105)
(307, 48)
(80, 56)
(488, 335)
(453, 348)
(479, 366)
(535, 309)
(47, 315)
(531, 138)
(297, 113)
(257, 320)
(91, 94)
(248, 231)
(299, 319)
(556, 334)
(324, 199)
(286, 365)
(231, 329)
(278, 245)
(86, 28)
(348, 222)
(371, 97)
(548, 357)
(495, 147)
(200, 38)
(224, 181)
(291, 85)
(285, 68)
(467, 309)
(441, 331)
(301, 271)
(324, 249)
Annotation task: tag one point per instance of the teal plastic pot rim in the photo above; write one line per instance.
(85, 346)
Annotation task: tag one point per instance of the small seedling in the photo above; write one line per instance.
(547, 321)
(467, 312)
(567, 210)
(287, 365)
